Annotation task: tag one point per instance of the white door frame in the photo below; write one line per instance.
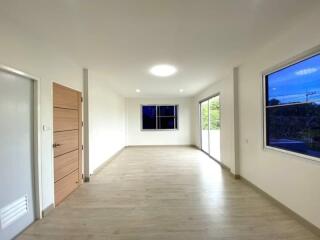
(37, 136)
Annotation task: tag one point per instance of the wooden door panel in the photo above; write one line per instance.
(65, 119)
(65, 186)
(68, 141)
(65, 164)
(64, 97)
(67, 128)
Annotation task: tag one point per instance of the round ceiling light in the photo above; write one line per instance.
(163, 70)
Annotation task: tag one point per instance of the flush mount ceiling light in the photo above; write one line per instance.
(138, 90)
(181, 90)
(163, 70)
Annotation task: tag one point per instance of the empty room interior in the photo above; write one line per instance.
(160, 119)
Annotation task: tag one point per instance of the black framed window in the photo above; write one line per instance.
(292, 111)
(159, 117)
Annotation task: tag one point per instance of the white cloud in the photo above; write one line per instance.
(306, 71)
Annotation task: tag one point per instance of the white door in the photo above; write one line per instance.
(16, 154)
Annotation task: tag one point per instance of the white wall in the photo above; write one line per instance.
(292, 180)
(106, 122)
(182, 136)
(225, 88)
(22, 50)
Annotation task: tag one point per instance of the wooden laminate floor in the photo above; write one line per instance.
(166, 193)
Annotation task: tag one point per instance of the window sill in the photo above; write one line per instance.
(300, 155)
(158, 130)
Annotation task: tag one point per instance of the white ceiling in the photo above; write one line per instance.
(122, 39)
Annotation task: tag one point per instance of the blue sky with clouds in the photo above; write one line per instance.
(294, 83)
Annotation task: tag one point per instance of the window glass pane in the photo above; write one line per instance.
(166, 111)
(295, 128)
(205, 126)
(149, 117)
(166, 122)
(204, 115)
(298, 83)
(214, 113)
(214, 132)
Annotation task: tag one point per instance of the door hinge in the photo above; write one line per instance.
(82, 123)
(81, 99)
(82, 147)
(82, 176)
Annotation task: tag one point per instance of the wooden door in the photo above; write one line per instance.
(67, 139)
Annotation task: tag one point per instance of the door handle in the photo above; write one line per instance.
(56, 145)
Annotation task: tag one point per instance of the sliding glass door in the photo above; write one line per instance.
(204, 106)
(214, 128)
(210, 126)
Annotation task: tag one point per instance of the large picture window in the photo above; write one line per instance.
(159, 117)
(292, 107)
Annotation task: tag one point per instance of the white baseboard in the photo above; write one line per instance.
(164, 145)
